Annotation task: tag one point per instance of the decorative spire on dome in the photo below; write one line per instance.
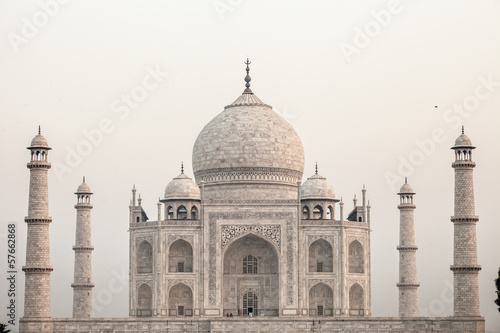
(40, 131)
(463, 129)
(406, 180)
(247, 79)
(182, 167)
(84, 179)
(316, 167)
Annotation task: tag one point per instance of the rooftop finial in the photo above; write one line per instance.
(316, 167)
(182, 167)
(40, 131)
(406, 180)
(84, 179)
(462, 129)
(247, 79)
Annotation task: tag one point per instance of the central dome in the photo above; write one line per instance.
(247, 135)
(248, 141)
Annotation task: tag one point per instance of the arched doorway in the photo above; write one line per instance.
(144, 258)
(321, 300)
(320, 256)
(180, 257)
(251, 277)
(180, 301)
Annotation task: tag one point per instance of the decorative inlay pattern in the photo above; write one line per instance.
(212, 247)
(139, 239)
(189, 283)
(312, 238)
(139, 283)
(312, 282)
(187, 238)
(271, 232)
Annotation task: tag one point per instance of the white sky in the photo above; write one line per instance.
(358, 117)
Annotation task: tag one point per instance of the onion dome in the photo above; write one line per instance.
(317, 187)
(182, 188)
(463, 141)
(248, 138)
(83, 188)
(39, 141)
(406, 188)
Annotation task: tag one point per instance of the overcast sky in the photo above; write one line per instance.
(377, 90)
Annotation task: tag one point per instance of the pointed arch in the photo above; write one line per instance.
(180, 300)
(321, 300)
(356, 257)
(317, 212)
(194, 213)
(144, 301)
(182, 213)
(250, 304)
(170, 213)
(144, 258)
(180, 257)
(320, 256)
(330, 213)
(356, 300)
(305, 213)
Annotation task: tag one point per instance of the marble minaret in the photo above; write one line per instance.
(408, 285)
(82, 285)
(465, 268)
(37, 268)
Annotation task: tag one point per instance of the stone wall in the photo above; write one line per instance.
(224, 325)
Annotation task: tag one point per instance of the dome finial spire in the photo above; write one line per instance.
(462, 129)
(406, 180)
(247, 78)
(84, 179)
(182, 167)
(39, 130)
(316, 167)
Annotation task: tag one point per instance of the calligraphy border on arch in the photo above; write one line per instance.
(212, 248)
(270, 231)
(173, 238)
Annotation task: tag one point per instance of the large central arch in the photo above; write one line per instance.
(251, 264)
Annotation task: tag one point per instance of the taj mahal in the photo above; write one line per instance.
(248, 244)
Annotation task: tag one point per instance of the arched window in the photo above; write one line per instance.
(144, 260)
(194, 213)
(250, 304)
(356, 300)
(181, 213)
(318, 212)
(170, 213)
(180, 257)
(144, 301)
(305, 213)
(250, 265)
(356, 258)
(137, 219)
(360, 219)
(320, 256)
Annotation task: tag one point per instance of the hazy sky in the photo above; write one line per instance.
(377, 90)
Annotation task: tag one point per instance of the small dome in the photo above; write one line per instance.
(39, 141)
(406, 189)
(182, 187)
(463, 140)
(317, 187)
(83, 188)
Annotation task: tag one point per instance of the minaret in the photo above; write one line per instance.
(82, 285)
(37, 270)
(465, 268)
(408, 285)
